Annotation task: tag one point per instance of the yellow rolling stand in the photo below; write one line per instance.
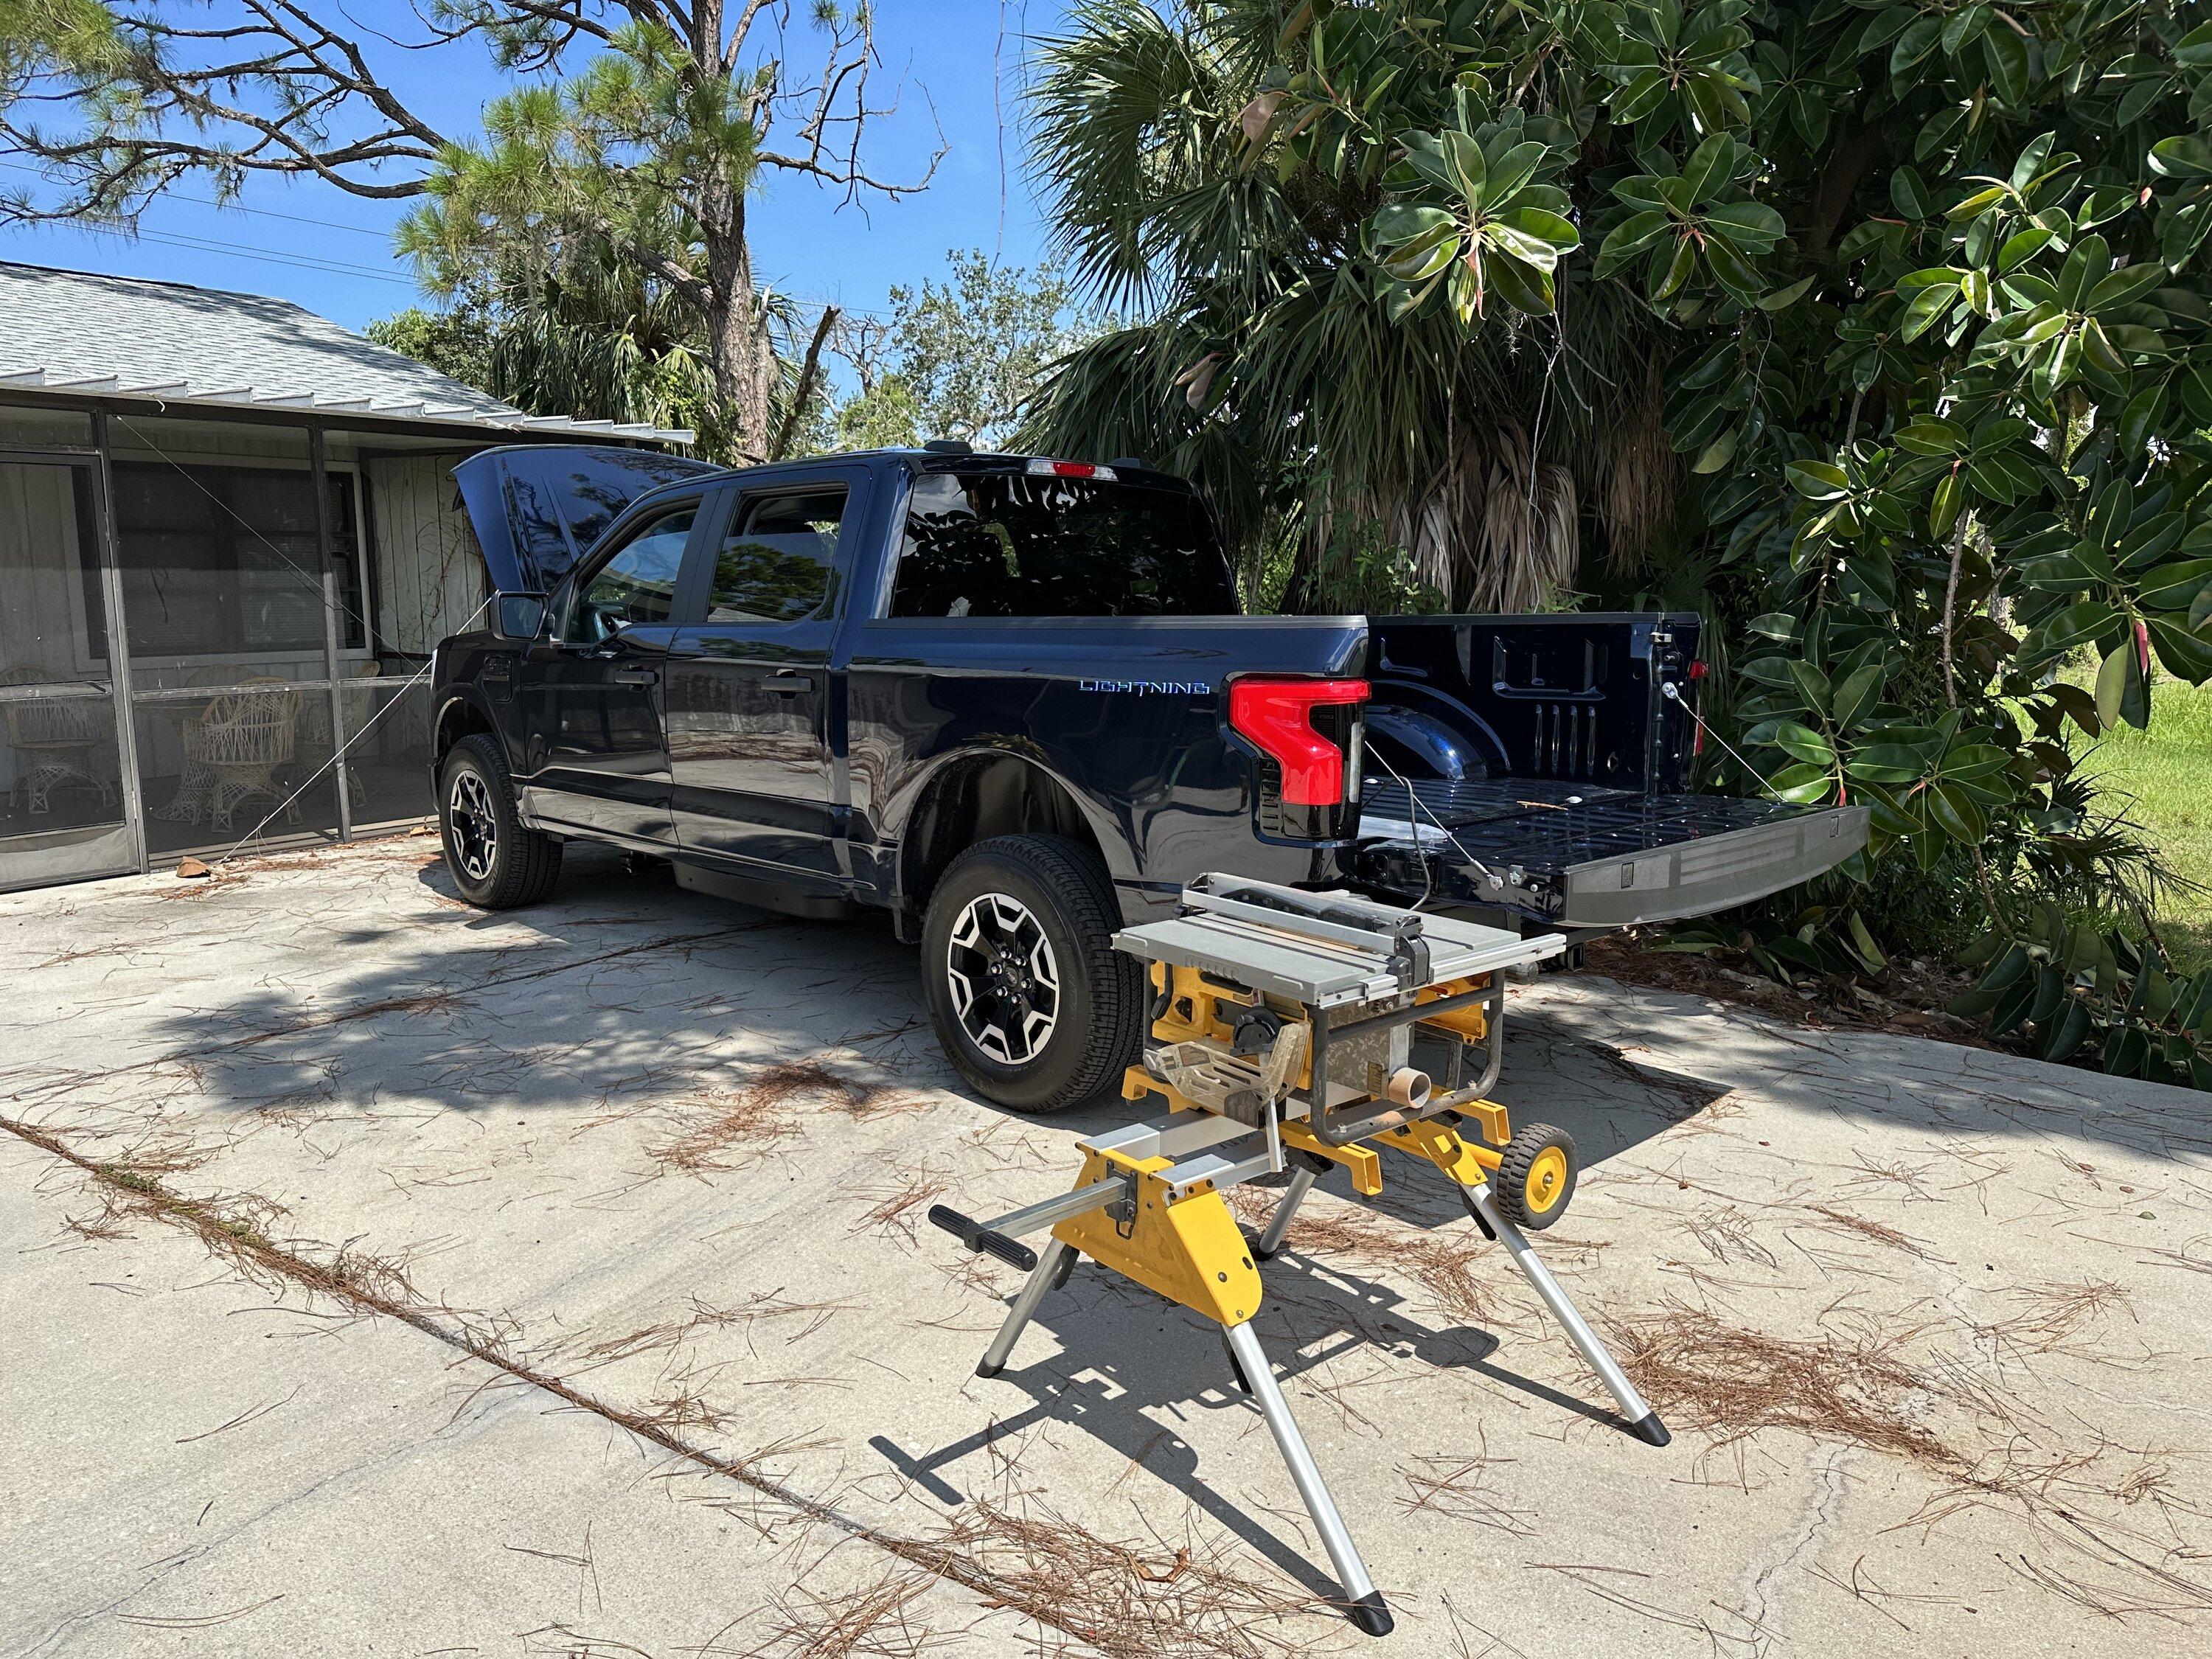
(1285, 1030)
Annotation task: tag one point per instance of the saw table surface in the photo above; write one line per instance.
(1323, 972)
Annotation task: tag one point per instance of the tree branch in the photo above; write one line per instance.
(806, 389)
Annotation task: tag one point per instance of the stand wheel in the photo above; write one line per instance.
(1537, 1176)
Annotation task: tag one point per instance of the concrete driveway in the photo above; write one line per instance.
(379, 1277)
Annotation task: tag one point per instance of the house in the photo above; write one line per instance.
(229, 542)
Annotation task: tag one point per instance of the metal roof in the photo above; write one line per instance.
(125, 337)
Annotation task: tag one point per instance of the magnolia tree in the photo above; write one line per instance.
(1925, 285)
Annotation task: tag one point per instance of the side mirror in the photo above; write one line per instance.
(518, 615)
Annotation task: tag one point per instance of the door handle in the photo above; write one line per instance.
(789, 682)
(636, 676)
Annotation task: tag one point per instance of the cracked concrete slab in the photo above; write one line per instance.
(1925, 1318)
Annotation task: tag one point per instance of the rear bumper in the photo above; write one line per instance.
(1602, 860)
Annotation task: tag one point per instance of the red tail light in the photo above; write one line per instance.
(1277, 716)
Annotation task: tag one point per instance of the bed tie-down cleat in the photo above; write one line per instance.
(1292, 1031)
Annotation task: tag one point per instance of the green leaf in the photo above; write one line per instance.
(1511, 170)
(1464, 156)
(1857, 696)
(1549, 228)
(1820, 481)
(2175, 585)
(1710, 164)
(1909, 195)
(2071, 1029)
(1979, 203)
(1806, 744)
(1812, 685)
(1782, 298)
(1520, 285)
(1943, 506)
(1626, 239)
(1931, 435)
(2124, 286)
(2186, 155)
(2184, 655)
(2020, 247)
(2120, 687)
(1863, 944)
(2008, 58)
(2086, 262)
(1802, 784)
(2032, 157)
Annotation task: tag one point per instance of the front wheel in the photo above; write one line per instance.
(1032, 1003)
(496, 863)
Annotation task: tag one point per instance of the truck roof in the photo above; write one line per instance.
(539, 509)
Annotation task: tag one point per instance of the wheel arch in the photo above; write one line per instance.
(981, 793)
(460, 715)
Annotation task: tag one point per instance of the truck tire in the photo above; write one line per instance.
(497, 864)
(1032, 1003)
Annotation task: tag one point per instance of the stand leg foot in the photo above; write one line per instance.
(1049, 1272)
(1372, 1614)
(1641, 1420)
(1360, 1596)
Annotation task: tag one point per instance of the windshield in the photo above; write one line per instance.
(1019, 544)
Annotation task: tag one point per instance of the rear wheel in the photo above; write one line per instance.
(497, 864)
(1032, 1004)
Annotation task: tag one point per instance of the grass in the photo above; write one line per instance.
(2166, 772)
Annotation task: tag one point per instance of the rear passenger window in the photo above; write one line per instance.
(775, 563)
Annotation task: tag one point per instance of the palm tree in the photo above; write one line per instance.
(1262, 361)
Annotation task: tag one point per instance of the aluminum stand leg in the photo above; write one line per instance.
(1270, 1238)
(1361, 1598)
(1643, 1421)
(1041, 1278)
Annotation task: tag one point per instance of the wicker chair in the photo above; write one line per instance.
(237, 743)
(55, 741)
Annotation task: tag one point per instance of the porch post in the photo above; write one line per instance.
(118, 642)
(326, 562)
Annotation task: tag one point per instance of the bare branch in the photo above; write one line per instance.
(805, 388)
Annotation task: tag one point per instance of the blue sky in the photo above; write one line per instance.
(331, 252)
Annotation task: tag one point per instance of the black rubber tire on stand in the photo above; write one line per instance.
(513, 867)
(1537, 1176)
(1036, 1029)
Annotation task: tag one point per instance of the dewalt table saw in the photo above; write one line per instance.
(1292, 1032)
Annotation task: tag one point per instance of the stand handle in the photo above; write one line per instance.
(981, 1239)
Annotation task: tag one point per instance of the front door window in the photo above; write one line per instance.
(636, 588)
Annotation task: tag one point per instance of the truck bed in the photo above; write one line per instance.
(1537, 765)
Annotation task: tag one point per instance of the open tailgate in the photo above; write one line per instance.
(1577, 855)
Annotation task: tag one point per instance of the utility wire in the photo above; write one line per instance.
(248, 250)
(226, 207)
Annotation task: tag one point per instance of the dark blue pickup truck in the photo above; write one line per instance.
(1012, 700)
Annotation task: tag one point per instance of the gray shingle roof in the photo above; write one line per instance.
(73, 331)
